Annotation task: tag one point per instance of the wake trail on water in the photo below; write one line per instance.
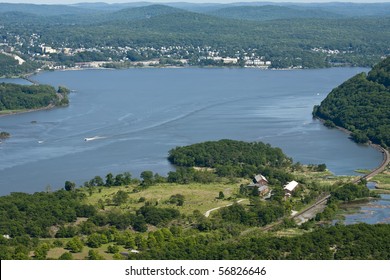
(175, 119)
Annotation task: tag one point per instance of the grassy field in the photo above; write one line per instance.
(197, 196)
(324, 179)
(55, 253)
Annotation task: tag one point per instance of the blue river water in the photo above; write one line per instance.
(135, 116)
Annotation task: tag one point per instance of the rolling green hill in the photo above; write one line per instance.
(23, 97)
(270, 12)
(361, 105)
(43, 10)
(145, 12)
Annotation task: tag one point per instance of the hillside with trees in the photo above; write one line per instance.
(361, 105)
(23, 97)
(10, 66)
(271, 12)
(303, 36)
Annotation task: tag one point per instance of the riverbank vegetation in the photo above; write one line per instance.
(14, 97)
(360, 105)
(121, 217)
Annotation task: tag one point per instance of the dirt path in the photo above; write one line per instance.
(214, 209)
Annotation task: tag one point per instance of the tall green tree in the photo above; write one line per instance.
(69, 186)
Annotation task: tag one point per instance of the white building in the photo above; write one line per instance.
(46, 50)
(290, 187)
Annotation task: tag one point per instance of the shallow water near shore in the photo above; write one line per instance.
(373, 211)
(135, 116)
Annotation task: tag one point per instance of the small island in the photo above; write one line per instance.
(4, 135)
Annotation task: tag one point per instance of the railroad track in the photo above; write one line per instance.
(380, 168)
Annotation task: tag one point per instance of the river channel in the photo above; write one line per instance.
(134, 117)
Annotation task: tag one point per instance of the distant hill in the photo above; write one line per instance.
(144, 12)
(102, 6)
(361, 105)
(352, 9)
(239, 10)
(43, 10)
(304, 36)
(271, 12)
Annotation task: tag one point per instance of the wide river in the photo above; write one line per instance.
(140, 114)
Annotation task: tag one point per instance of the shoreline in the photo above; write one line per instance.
(379, 148)
(49, 107)
(27, 76)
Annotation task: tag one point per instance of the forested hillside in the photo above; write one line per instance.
(271, 12)
(361, 105)
(19, 97)
(10, 66)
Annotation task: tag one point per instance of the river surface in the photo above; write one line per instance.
(140, 114)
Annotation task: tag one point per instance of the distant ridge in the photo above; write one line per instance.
(43, 10)
(145, 12)
(270, 12)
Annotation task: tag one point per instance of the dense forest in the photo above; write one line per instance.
(234, 158)
(361, 105)
(20, 97)
(339, 242)
(228, 152)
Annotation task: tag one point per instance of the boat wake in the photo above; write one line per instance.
(93, 138)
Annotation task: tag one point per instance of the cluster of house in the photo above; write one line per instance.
(261, 183)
